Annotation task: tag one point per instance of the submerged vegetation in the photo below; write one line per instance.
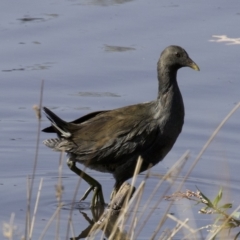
(131, 214)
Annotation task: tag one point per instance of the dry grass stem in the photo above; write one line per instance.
(132, 228)
(28, 213)
(122, 218)
(137, 195)
(35, 208)
(179, 225)
(27, 219)
(49, 222)
(178, 165)
(59, 191)
(72, 206)
(110, 221)
(126, 206)
(172, 175)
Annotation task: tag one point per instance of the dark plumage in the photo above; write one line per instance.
(111, 141)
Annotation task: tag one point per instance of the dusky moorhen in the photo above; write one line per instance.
(111, 141)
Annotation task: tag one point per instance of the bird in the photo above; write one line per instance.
(112, 140)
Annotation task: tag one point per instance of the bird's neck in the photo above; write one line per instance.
(167, 79)
(170, 102)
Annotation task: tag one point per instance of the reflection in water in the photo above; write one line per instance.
(94, 224)
(107, 221)
(96, 214)
(76, 205)
(109, 48)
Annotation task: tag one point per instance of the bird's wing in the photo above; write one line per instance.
(111, 134)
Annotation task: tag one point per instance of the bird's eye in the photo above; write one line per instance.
(177, 54)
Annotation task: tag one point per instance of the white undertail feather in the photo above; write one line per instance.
(52, 142)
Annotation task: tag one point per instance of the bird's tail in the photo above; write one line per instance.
(52, 143)
(58, 124)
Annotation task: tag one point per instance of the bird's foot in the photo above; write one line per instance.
(97, 199)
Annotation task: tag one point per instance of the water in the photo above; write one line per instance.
(102, 54)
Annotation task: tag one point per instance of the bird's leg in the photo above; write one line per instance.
(95, 186)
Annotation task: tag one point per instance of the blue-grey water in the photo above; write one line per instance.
(102, 54)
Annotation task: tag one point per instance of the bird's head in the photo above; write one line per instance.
(175, 57)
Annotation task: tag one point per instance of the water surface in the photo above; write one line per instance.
(102, 54)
